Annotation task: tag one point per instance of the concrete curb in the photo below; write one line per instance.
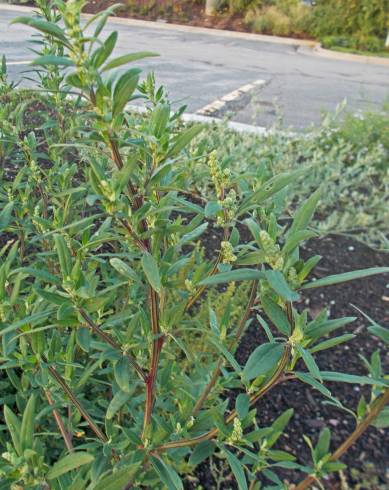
(308, 47)
(338, 55)
(188, 117)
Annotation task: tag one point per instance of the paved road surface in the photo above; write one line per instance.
(198, 68)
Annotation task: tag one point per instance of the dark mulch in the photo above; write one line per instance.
(371, 295)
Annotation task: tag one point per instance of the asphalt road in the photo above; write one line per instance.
(199, 68)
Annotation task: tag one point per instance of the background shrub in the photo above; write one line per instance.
(357, 18)
(279, 17)
(270, 20)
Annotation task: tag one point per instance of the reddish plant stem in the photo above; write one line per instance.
(61, 426)
(144, 245)
(232, 346)
(377, 407)
(156, 351)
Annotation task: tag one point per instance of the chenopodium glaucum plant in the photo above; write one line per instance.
(104, 387)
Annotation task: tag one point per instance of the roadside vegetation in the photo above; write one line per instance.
(359, 26)
(159, 283)
(355, 26)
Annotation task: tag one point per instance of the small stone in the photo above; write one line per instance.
(351, 248)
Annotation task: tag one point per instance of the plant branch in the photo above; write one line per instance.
(232, 346)
(64, 433)
(109, 340)
(377, 407)
(62, 383)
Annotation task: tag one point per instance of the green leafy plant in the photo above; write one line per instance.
(364, 21)
(103, 271)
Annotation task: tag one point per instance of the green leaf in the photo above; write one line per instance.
(183, 139)
(50, 59)
(27, 427)
(278, 282)
(159, 119)
(323, 446)
(124, 88)
(69, 463)
(264, 358)
(119, 399)
(242, 405)
(5, 215)
(309, 362)
(346, 276)
(277, 316)
(167, 474)
(51, 297)
(122, 374)
(237, 469)
(232, 276)
(118, 480)
(128, 58)
(351, 378)
(104, 52)
(295, 238)
(334, 466)
(43, 26)
(283, 420)
(212, 208)
(150, 268)
(124, 269)
(189, 237)
(64, 256)
(317, 329)
(14, 427)
(201, 452)
(304, 214)
(327, 344)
